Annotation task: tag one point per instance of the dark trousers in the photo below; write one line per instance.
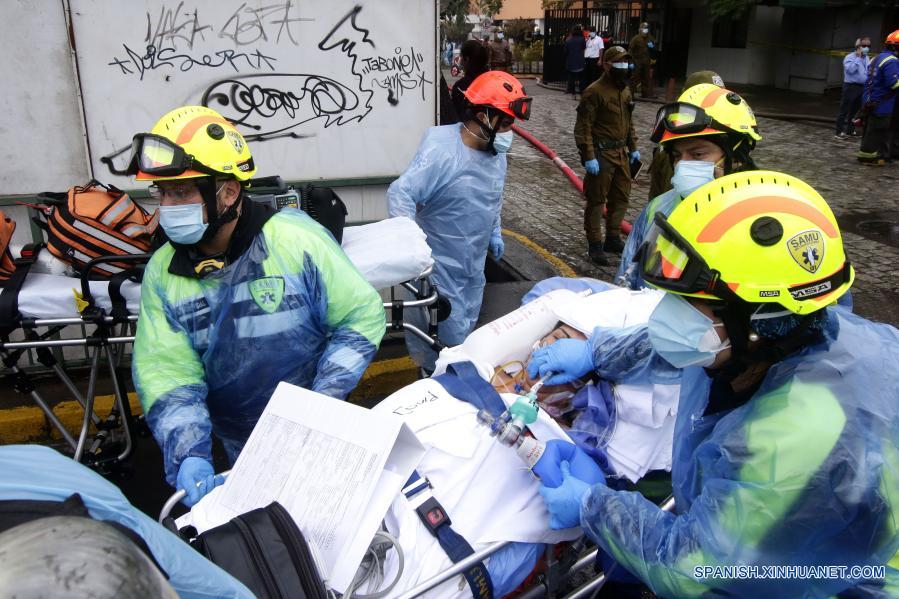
(641, 76)
(850, 102)
(877, 135)
(610, 188)
(575, 76)
(591, 73)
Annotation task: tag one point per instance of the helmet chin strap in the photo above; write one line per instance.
(209, 193)
(737, 323)
(491, 132)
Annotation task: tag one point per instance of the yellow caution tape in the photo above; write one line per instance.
(805, 49)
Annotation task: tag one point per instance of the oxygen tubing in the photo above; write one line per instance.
(572, 176)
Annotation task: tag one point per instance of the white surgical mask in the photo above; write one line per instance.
(683, 335)
(183, 223)
(690, 175)
(503, 141)
(621, 65)
(645, 31)
(592, 35)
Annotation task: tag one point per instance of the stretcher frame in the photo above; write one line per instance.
(109, 339)
(558, 571)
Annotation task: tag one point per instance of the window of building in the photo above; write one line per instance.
(730, 33)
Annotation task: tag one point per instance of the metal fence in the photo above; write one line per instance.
(620, 19)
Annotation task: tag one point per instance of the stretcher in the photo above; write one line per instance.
(560, 564)
(45, 312)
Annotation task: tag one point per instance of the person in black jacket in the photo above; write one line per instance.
(573, 51)
(475, 61)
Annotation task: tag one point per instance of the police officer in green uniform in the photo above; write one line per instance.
(661, 170)
(605, 138)
(639, 48)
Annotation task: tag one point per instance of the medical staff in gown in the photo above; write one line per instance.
(786, 445)
(454, 191)
(240, 299)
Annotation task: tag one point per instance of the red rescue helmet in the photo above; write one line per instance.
(892, 39)
(501, 91)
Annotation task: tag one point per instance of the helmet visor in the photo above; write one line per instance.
(667, 261)
(521, 107)
(682, 118)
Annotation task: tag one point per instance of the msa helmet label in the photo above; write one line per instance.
(807, 249)
(771, 293)
(812, 290)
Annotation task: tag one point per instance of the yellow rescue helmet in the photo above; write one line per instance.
(756, 237)
(706, 109)
(208, 143)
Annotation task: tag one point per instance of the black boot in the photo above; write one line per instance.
(596, 254)
(613, 244)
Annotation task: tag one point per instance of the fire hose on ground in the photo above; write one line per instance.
(566, 170)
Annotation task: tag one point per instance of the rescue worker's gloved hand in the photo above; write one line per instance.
(564, 502)
(197, 477)
(581, 465)
(635, 155)
(568, 359)
(497, 247)
(592, 166)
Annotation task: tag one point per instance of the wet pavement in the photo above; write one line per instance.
(541, 204)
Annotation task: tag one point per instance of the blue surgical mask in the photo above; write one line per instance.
(690, 175)
(865, 50)
(502, 142)
(184, 223)
(683, 335)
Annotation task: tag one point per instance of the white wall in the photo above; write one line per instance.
(753, 64)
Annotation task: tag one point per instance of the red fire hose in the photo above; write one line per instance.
(572, 176)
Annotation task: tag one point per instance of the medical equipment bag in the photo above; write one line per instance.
(96, 220)
(265, 550)
(7, 227)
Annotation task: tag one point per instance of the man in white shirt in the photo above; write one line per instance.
(592, 54)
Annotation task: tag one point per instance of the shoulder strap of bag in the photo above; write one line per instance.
(462, 381)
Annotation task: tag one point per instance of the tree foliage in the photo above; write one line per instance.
(729, 9)
(518, 29)
(489, 8)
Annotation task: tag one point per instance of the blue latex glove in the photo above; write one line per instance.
(197, 477)
(511, 565)
(564, 502)
(570, 359)
(635, 155)
(582, 466)
(496, 245)
(592, 166)
(650, 44)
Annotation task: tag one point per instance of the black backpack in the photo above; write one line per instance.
(265, 550)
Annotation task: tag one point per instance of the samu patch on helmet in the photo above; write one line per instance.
(807, 249)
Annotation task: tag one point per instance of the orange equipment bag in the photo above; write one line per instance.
(97, 220)
(7, 227)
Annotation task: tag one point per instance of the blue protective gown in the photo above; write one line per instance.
(628, 274)
(806, 473)
(209, 352)
(39, 473)
(455, 194)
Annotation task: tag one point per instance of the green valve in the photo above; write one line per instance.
(524, 409)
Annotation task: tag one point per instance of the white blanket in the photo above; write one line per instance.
(386, 253)
(644, 425)
(487, 491)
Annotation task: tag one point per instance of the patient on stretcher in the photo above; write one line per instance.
(487, 491)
